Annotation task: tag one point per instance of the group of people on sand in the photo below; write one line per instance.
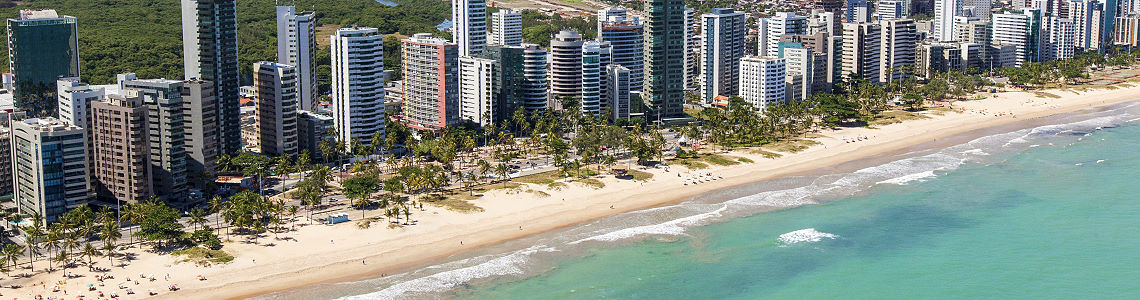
(100, 279)
(857, 138)
(699, 178)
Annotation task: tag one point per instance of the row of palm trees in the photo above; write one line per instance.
(70, 236)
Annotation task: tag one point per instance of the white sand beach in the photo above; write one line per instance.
(315, 254)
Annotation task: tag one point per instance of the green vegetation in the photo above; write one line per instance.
(453, 203)
(720, 160)
(590, 182)
(766, 154)
(791, 146)
(745, 160)
(640, 176)
(204, 257)
(539, 27)
(893, 117)
(145, 36)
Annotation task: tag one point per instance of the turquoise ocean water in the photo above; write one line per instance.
(1051, 211)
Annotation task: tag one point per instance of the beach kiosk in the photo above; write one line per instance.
(337, 218)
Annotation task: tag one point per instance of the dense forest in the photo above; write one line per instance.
(145, 36)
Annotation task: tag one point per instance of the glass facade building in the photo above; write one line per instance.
(42, 48)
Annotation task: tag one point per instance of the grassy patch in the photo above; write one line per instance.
(895, 116)
(364, 224)
(501, 186)
(454, 202)
(766, 154)
(790, 146)
(540, 178)
(720, 160)
(691, 164)
(640, 176)
(744, 160)
(557, 186)
(590, 182)
(204, 257)
(539, 193)
(1048, 95)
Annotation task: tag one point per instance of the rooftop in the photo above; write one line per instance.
(28, 14)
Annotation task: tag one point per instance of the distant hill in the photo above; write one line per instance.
(145, 36)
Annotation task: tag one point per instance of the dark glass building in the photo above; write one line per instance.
(42, 47)
(209, 38)
(664, 88)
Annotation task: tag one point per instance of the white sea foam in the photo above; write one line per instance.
(672, 228)
(906, 179)
(978, 152)
(809, 235)
(511, 264)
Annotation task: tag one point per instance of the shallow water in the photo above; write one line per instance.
(1045, 212)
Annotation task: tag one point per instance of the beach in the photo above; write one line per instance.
(318, 254)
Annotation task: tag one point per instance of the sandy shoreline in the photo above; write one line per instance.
(319, 254)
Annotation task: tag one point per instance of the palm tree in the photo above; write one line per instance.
(283, 167)
(293, 217)
(89, 251)
(484, 168)
(61, 258)
(109, 250)
(131, 213)
(197, 217)
(216, 206)
(53, 236)
(11, 254)
(35, 235)
(503, 171)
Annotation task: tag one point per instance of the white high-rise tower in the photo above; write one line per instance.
(470, 25)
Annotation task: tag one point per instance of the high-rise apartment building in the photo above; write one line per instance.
(944, 13)
(1127, 30)
(357, 83)
(200, 126)
(1088, 21)
(800, 70)
(275, 108)
(1021, 30)
(166, 133)
(506, 28)
(297, 46)
(692, 50)
(783, 23)
(49, 164)
(721, 51)
(312, 129)
(494, 84)
(595, 59)
(476, 85)
(627, 39)
(210, 52)
(891, 9)
(664, 90)
(900, 38)
(470, 25)
(42, 47)
(861, 50)
(565, 66)
(619, 83)
(1061, 36)
(858, 11)
(430, 69)
(534, 85)
(122, 148)
(762, 81)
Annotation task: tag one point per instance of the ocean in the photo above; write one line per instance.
(1046, 210)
